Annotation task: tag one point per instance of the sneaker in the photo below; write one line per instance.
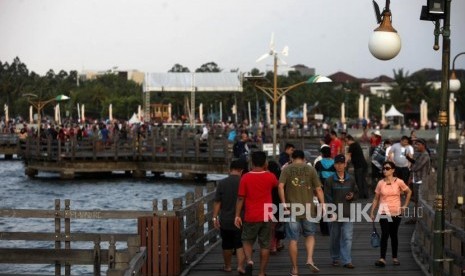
(349, 265)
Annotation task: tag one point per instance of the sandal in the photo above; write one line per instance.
(249, 269)
(224, 269)
(313, 267)
(380, 263)
(395, 262)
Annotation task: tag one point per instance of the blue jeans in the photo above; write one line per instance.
(340, 242)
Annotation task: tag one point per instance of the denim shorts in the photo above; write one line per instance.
(302, 227)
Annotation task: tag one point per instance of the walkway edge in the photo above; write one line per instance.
(194, 263)
(414, 255)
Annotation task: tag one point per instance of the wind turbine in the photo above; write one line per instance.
(274, 54)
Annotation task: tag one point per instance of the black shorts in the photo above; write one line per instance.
(231, 239)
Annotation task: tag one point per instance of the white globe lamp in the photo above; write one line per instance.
(385, 43)
(454, 83)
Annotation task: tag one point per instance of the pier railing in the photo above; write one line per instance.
(9, 145)
(454, 234)
(166, 242)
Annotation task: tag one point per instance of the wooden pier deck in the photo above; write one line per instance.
(363, 257)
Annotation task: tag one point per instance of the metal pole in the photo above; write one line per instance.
(275, 102)
(438, 233)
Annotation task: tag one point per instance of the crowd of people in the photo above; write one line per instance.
(252, 205)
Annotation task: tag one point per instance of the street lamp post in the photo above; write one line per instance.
(39, 105)
(275, 93)
(435, 11)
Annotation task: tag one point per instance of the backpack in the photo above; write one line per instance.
(327, 170)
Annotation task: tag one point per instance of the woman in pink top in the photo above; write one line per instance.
(388, 199)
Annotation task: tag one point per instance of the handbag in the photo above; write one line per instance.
(374, 239)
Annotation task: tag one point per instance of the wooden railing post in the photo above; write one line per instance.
(155, 205)
(177, 205)
(116, 146)
(49, 148)
(111, 253)
(97, 256)
(57, 233)
(200, 217)
(164, 205)
(210, 188)
(67, 234)
(169, 146)
(190, 219)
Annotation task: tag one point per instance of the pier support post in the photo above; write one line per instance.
(67, 174)
(138, 174)
(31, 172)
(188, 176)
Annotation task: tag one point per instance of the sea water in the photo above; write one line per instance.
(116, 192)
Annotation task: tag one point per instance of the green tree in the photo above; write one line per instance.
(178, 68)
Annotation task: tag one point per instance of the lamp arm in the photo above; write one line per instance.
(284, 90)
(268, 91)
(453, 62)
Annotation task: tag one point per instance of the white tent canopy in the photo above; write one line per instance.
(192, 82)
(134, 119)
(189, 82)
(393, 112)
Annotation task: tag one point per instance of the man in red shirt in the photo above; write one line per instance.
(335, 144)
(255, 193)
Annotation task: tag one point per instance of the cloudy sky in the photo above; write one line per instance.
(153, 35)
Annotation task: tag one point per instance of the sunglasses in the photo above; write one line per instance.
(387, 168)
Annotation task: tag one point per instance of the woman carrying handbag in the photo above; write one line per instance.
(388, 199)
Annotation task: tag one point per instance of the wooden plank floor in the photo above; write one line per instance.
(363, 257)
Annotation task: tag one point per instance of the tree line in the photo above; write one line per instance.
(16, 80)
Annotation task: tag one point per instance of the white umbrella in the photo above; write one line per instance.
(383, 114)
(139, 112)
(343, 113)
(422, 114)
(201, 112)
(283, 110)
(250, 112)
(110, 112)
(221, 112)
(55, 109)
(7, 117)
(169, 112)
(304, 114)
(78, 113)
(59, 114)
(267, 111)
(31, 112)
(366, 108)
(360, 107)
(83, 117)
(426, 113)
